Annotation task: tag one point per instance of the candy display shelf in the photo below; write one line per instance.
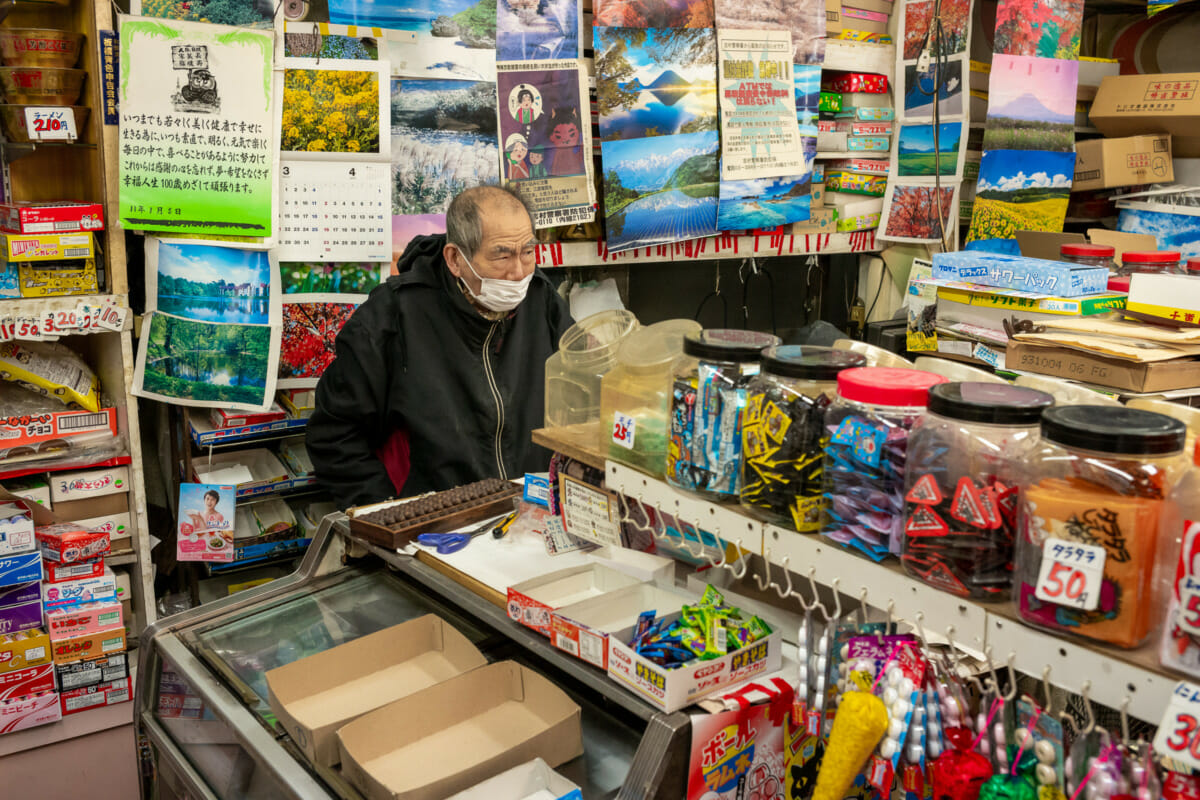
(1113, 675)
(851, 56)
(761, 245)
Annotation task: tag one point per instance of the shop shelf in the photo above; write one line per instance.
(851, 56)
(20, 471)
(39, 306)
(830, 155)
(761, 245)
(205, 435)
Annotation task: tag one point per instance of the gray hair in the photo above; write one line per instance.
(464, 223)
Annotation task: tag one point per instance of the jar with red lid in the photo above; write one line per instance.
(1093, 255)
(868, 423)
(1154, 261)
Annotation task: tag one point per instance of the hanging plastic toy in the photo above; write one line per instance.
(959, 774)
(860, 722)
(1020, 784)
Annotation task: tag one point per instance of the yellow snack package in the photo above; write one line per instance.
(50, 369)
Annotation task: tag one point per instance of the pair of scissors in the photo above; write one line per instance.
(447, 543)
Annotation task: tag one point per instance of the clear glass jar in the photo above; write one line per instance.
(1093, 255)
(1152, 261)
(1179, 578)
(783, 433)
(586, 351)
(868, 425)
(708, 394)
(964, 458)
(635, 395)
(1094, 504)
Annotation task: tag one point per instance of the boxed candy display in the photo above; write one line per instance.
(56, 278)
(65, 217)
(868, 144)
(92, 483)
(865, 82)
(68, 543)
(853, 183)
(16, 530)
(225, 418)
(29, 712)
(83, 674)
(84, 619)
(24, 568)
(28, 681)
(1018, 272)
(53, 572)
(26, 649)
(48, 246)
(88, 646)
(582, 629)
(20, 608)
(104, 694)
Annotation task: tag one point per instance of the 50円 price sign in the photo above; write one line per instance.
(1071, 574)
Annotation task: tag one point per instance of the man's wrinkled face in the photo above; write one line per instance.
(507, 249)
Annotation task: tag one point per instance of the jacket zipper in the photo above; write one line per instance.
(491, 379)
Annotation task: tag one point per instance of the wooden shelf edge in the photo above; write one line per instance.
(580, 442)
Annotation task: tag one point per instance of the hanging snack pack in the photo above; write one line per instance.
(51, 369)
(704, 454)
(783, 433)
(964, 458)
(1090, 519)
(868, 425)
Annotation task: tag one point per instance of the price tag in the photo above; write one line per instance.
(112, 318)
(1071, 574)
(624, 429)
(1178, 736)
(51, 123)
(6, 328)
(28, 328)
(1188, 616)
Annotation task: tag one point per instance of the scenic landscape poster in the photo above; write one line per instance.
(919, 155)
(1031, 104)
(912, 213)
(660, 189)
(1019, 190)
(805, 19)
(446, 27)
(302, 40)
(310, 329)
(955, 28)
(764, 202)
(317, 277)
(443, 141)
(920, 89)
(209, 283)
(537, 30)
(1047, 28)
(1172, 231)
(653, 14)
(655, 82)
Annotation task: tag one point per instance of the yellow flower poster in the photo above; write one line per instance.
(333, 111)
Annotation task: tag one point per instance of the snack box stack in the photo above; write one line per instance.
(222, 418)
(298, 402)
(27, 689)
(856, 113)
(84, 616)
(51, 274)
(858, 20)
(820, 218)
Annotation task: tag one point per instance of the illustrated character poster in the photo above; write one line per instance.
(537, 30)
(197, 152)
(545, 139)
(206, 520)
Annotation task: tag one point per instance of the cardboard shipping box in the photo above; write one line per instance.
(833, 17)
(453, 735)
(1164, 299)
(1112, 373)
(530, 602)
(315, 696)
(1128, 105)
(532, 781)
(582, 629)
(1128, 161)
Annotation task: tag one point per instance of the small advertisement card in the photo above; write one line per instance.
(206, 514)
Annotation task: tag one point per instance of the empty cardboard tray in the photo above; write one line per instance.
(315, 696)
(451, 736)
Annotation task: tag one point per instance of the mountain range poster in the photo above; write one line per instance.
(1019, 190)
(1031, 104)
(760, 130)
(804, 19)
(545, 136)
(653, 82)
(660, 189)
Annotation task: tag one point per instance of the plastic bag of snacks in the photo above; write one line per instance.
(50, 369)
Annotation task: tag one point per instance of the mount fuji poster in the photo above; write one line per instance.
(1031, 104)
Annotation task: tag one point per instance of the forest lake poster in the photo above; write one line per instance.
(209, 339)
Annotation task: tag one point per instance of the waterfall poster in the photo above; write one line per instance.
(212, 334)
(760, 133)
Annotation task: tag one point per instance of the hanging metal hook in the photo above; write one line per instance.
(994, 679)
(837, 599)
(1091, 712)
(745, 562)
(763, 585)
(1125, 720)
(887, 626)
(956, 664)
(812, 581)
(1011, 694)
(1046, 689)
(783, 593)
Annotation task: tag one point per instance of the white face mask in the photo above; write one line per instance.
(497, 294)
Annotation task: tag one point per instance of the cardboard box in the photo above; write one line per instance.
(582, 629)
(66, 486)
(531, 602)
(450, 736)
(861, 19)
(1164, 299)
(65, 217)
(29, 712)
(16, 530)
(532, 781)
(27, 681)
(82, 674)
(58, 278)
(854, 212)
(1021, 304)
(104, 694)
(315, 696)
(24, 568)
(26, 649)
(20, 608)
(1112, 373)
(820, 220)
(868, 144)
(860, 166)
(1129, 105)
(833, 17)
(57, 573)
(119, 528)
(858, 100)
(88, 647)
(1129, 161)
(868, 114)
(31, 487)
(97, 617)
(1092, 71)
(69, 543)
(36, 429)
(854, 183)
(1057, 278)
(224, 418)
(671, 690)
(47, 246)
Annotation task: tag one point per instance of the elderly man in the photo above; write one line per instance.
(439, 375)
